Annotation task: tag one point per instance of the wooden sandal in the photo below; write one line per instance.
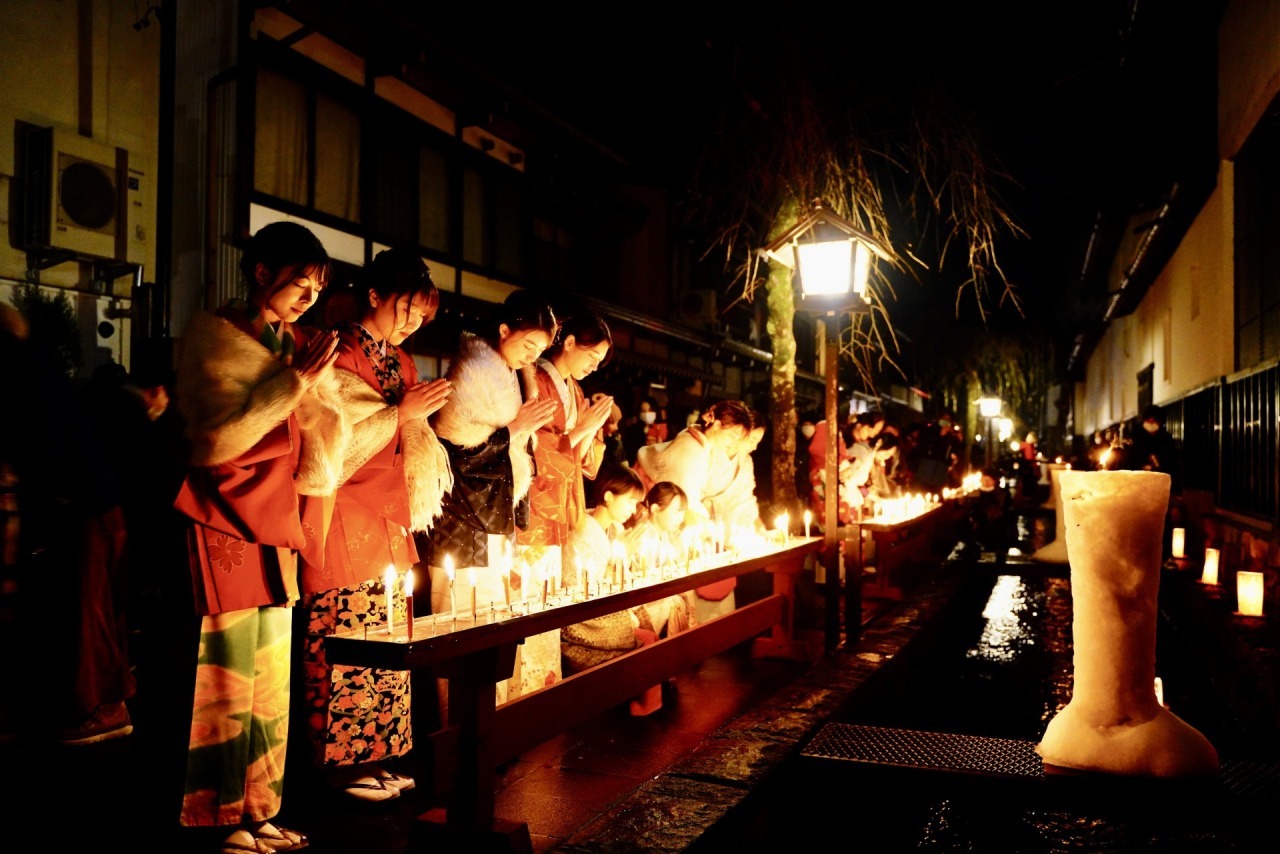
(392, 780)
(265, 839)
(370, 789)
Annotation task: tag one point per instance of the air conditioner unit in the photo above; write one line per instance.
(82, 198)
(698, 307)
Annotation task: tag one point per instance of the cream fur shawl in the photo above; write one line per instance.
(483, 401)
(232, 391)
(373, 425)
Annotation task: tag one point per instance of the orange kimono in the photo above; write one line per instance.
(558, 498)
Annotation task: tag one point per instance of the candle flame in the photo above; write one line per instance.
(408, 582)
(389, 579)
(471, 576)
(448, 567)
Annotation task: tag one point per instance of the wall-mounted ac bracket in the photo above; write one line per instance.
(43, 259)
(105, 272)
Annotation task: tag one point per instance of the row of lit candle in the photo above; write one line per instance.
(619, 566)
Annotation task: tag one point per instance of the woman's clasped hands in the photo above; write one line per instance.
(315, 357)
(532, 415)
(422, 399)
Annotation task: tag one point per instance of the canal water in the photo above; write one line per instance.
(993, 669)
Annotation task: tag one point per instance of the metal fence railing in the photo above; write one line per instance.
(1228, 440)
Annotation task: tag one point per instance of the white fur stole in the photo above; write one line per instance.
(483, 401)
(232, 391)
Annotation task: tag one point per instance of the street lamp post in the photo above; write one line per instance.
(989, 408)
(831, 260)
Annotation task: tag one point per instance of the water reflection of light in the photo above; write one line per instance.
(1005, 633)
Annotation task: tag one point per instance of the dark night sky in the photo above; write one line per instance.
(1086, 105)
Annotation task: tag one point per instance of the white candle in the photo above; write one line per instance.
(1210, 574)
(389, 584)
(808, 517)
(1249, 593)
(408, 602)
(448, 570)
(1179, 542)
(471, 576)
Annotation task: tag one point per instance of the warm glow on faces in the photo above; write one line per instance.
(671, 517)
(521, 349)
(578, 361)
(412, 315)
(291, 298)
(728, 438)
(621, 507)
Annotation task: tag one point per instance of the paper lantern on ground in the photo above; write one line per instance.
(1249, 590)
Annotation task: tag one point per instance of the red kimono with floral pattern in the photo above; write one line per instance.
(367, 531)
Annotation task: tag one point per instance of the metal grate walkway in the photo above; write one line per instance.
(1001, 758)
(935, 751)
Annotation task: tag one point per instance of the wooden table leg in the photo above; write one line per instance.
(782, 641)
(465, 763)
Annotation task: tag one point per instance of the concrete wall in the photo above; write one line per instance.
(82, 67)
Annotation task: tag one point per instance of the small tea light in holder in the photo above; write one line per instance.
(1210, 573)
(1179, 543)
(1249, 589)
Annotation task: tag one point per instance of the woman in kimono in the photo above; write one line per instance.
(570, 446)
(259, 401)
(701, 460)
(737, 506)
(567, 449)
(393, 479)
(486, 427)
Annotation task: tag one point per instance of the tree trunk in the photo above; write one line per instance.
(782, 387)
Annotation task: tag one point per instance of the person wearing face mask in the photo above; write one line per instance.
(645, 426)
(654, 418)
(394, 476)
